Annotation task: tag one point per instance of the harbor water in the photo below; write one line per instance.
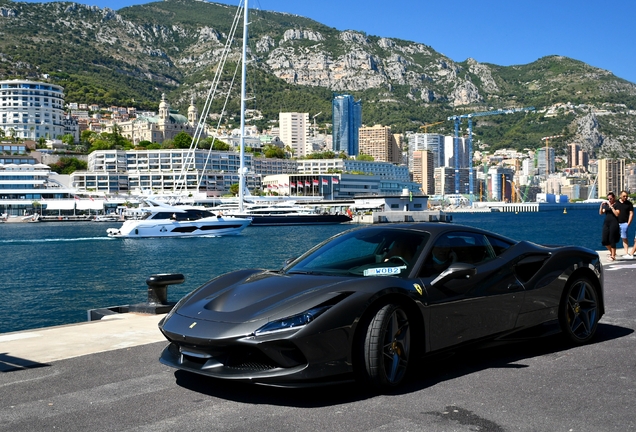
(53, 272)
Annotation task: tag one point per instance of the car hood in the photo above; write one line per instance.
(240, 298)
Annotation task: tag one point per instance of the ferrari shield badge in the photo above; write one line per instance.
(418, 288)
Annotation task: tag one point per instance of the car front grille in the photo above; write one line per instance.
(234, 359)
(254, 366)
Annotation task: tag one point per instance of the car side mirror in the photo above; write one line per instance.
(455, 271)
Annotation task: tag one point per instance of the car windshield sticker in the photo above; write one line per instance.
(384, 271)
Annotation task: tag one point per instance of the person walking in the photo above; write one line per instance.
(611, 230)
(624, 220)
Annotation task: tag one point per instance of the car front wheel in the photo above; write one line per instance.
(387, 347)
(579, 311)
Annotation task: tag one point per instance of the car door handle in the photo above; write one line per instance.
(515, 287)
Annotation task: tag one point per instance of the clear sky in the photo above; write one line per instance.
(503, 32)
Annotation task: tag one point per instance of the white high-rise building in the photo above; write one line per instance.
(543, 161)
(449, 152)
(527, 167)
(294, 132)
(31, 109)
(430, 142)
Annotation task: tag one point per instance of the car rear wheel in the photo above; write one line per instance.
(387, 347)
(579, 311)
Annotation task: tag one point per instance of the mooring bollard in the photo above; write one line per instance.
(157, 298)
(158, 287)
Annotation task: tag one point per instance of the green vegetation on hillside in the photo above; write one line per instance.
(131, 57)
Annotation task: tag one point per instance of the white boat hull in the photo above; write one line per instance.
(212, 227)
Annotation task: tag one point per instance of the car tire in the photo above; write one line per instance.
(387, 347)
(579, 311)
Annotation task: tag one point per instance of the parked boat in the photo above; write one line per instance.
(289, 215)
(163, 220)
(108, 218)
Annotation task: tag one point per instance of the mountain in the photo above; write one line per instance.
(132, 56)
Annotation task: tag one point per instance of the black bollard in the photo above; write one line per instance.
(158, 286)
(157, 298)
(158, 294)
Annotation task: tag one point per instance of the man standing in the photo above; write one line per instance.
(624, 221)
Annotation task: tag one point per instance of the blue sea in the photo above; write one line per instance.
(53, 272)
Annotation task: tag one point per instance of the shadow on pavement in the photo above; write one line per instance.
(10, 363)
(425, 373)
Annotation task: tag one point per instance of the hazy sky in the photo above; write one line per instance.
(503, 32)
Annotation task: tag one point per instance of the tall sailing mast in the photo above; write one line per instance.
(242, 168)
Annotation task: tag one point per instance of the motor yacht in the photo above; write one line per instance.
(163, 220)
(264, 215)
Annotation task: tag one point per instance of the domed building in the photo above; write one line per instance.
(166, 125)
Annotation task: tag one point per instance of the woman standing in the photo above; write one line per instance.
(611, 230)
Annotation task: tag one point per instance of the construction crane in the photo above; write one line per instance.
(547, 158)
(426, 126)
(458, 119)
(314, 117)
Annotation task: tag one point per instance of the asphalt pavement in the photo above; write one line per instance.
(541, 385)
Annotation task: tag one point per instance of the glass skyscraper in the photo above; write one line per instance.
(347, 119)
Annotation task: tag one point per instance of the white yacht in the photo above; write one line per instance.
(285, 214)
(163, 220)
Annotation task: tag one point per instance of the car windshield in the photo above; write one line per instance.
(364, 252)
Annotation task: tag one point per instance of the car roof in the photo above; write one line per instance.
(435, 228)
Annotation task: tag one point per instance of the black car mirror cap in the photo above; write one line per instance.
(455, 271)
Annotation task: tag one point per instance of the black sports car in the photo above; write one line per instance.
(369, 302)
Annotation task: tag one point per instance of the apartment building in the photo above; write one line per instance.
(611, 176)
(160, 182)
(384, 170)
(163, 171)
(455, 149)
(444, 178)
(424, 170)
(31, 109)
(577, 158)
(294, 132)
(165, 160)
(272, 166)
(425, 141)
(379, 142)
(546, 161)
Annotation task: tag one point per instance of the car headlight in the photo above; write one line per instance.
(292, 322)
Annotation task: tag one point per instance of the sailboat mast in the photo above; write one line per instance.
(242, 169)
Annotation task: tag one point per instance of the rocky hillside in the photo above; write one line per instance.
(131, 56)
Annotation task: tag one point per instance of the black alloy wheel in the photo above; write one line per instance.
(579, 311)
(387, 347)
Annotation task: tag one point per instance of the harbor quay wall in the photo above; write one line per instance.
(400, 217)
(529, 207)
